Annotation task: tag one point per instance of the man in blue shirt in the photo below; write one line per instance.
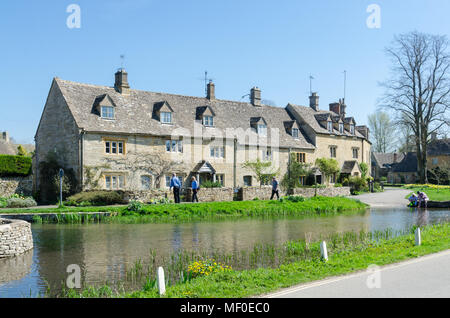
(176, 185)
(195, 187)
(275, 188)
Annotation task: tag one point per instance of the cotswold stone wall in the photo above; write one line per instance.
(16, 185)
(15, 237)
(147, 195)
(211, 194)
(324, 192)
(250, 193)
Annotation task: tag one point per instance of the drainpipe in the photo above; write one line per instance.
(234, 163)
(289, 170)
(81, 157)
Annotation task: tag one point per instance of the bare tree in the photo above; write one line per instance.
(419, 88)
(154, 164)
(383, 134)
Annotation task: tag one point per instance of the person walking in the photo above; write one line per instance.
(195, 187)
(176, 185)
(275, 188)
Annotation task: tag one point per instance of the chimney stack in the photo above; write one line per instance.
(314, 101)
(395, 157)
(121, 84)
(5, 137)
(255, 96)
(211, 91)
(338, 108)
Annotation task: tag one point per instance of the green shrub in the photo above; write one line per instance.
(295, 198)
(357, 183)
(338, 185)
(135, 206)
(210, 184)
(14, 166)
(20, 202)
(95, 198)
(3, 202)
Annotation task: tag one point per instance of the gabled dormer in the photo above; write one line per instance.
(349, 124)
(292, 128)
(206, 115)
(104, 107)
(259, 125)
(325, 121)
(338, 124)
(163, 112)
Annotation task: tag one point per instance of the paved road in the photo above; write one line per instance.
(425, 277)
(390, 198)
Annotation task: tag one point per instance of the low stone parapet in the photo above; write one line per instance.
(251, 193)
(15, 237)
(211, 194)
(16, 185)
(147, 196)
(324, 192)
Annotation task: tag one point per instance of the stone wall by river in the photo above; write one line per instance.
(15, 237)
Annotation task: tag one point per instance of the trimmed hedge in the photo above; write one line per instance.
(95, 198)
(14, 166)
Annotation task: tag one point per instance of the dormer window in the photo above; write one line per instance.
(352, 129)
(166, 117)
(341, 128)
(108, 112)
(330, 126)
(208, 121)
(262, 129)
(295, 132)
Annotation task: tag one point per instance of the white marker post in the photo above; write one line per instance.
(161, 281)
(323, 250)
(418, 237)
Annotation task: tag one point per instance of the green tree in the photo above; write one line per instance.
(382, 132)
(262, 170)
(21, 151)
(296, 170)
(328, 167)
(364, 169)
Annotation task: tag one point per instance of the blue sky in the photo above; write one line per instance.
(169, 44)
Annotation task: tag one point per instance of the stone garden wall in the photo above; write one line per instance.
(16, 185)
(324, 192)
(147, 195)
(15, 237)
(211, 194)
(250, 193)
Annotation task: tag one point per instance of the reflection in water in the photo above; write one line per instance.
(15, 268)
(106, 251)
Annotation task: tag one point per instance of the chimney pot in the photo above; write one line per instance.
(314, 101)
(121, 84)
(255, 96)
(211, 91)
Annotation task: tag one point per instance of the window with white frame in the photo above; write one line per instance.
(217, 152)
(352, 129)
(333, 151)
(341, 128)
(262, 129)
(295, 132)
(108, 112)
(221, 179)
(166, 117)
(267, 155)
(168, 181)
(146, 182)
(330, 126)
(114, 147)
(208, 121)
(355, 153)
(174, 145)
(114, 182)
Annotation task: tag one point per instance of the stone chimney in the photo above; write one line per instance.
(255, 96)
(121, 83)
(5, 137)
(363, 130)
(335, 107)
(395, 157)
(211, 91)
(343, 107)
(314, 101)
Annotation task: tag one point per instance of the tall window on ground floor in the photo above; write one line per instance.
(302, 180)
(333, 178)
(248, 181)
(221, 179)
(114, 182)
(146, 182)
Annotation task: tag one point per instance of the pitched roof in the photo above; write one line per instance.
(385, 159)
(348, 166)
(408, 163)
(310, 116)
(134, 114)
(439, 147)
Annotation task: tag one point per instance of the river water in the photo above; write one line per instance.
(104, 251)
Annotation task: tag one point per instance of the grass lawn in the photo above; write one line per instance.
(208, 210)
(434, 193)
(245, 283)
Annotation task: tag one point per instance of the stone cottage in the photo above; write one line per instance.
(121, 138)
